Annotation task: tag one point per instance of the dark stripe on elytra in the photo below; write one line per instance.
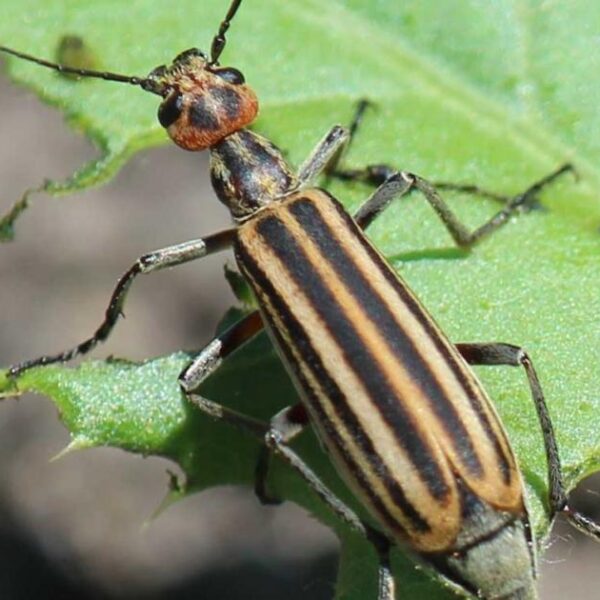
(311, 359)
(364, 443)
(474, 397)
(376, 309)
(364, 364)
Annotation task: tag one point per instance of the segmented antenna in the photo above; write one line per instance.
(219, 41)
(147, 83)
(140, 81)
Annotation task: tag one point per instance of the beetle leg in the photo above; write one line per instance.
(465, 238)
(323, 153)
(276, 435)
(460, 234)
(377, 174)
(275, 441)
(396, 186)
(213, 354)
(507, 354)
(387, 585)
(290, 422)
(332, 169)
(153, 261)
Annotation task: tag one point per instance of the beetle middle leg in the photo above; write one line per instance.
(380, 175)
(277, 433)
(507, 354)
(157, 260)
(461, 235)
(276, 436)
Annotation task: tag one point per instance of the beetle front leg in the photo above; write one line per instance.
(170, 256)
(507, 354)
(323, 154)
(377, 174)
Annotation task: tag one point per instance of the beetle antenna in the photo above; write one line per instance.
(74, 71)
(219, 41)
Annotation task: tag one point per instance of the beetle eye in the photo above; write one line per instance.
(170, 109)
(230, 75)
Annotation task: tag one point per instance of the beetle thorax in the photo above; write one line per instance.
(249, 172)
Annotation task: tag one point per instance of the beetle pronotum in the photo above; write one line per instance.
(396, 405)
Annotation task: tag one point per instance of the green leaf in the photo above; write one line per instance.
(493, 93)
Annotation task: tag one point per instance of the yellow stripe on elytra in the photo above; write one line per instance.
(444, 518)
(491, 487)
(439, 538)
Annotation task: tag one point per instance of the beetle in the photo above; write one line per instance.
(393, 401)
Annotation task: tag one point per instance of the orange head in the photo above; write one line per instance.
(203, 103)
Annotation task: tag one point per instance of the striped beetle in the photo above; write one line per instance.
(394, 402)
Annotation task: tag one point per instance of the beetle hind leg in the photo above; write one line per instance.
(584, 524)
(289, 423)
(276, 440)
(510, 355)
(276, 435)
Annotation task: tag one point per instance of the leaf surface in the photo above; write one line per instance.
(497, 94)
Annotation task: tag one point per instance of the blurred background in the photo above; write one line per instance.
(76, 527)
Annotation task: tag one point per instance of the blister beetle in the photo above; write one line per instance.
(402, 415)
